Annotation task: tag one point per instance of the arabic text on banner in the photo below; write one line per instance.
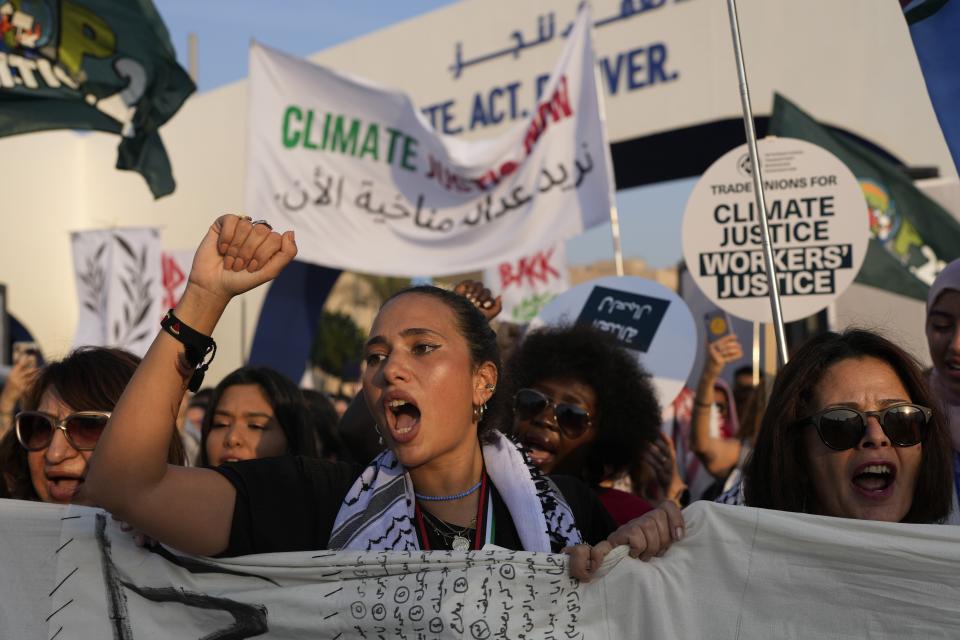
(739, 573)
(368, 186)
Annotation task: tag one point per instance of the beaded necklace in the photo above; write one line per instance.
(457, 538)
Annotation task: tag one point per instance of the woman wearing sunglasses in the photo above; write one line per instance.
(66, 408)
(852, 431)
(583, 407)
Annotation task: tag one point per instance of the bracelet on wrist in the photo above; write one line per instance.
(193, 362)
(705, 405)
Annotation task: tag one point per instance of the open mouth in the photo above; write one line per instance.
(403, 418)
(63, 488)
(875, 479)
(539, 447)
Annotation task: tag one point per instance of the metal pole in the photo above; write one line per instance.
(192, 69)
(611, 186)
(758, 186)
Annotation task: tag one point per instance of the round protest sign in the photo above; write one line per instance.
(648, 319)
(818, 227)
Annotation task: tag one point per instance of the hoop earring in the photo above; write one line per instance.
(478, 412)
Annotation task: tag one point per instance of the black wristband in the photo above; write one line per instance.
(196, 347)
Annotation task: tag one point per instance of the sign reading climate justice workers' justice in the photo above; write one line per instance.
(368, 185)
(818, 227)
(648, 319)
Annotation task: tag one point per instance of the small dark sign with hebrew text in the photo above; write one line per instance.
(632, 318)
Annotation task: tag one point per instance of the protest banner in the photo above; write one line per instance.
(97, 65)
(526, 284)
(369, 186)
(119, 287)
(818, 227)
(648, 319)
(71, 572)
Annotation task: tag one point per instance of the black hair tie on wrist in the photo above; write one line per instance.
(196, 347)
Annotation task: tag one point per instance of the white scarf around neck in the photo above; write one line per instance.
(378, 511)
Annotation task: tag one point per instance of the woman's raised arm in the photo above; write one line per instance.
(190, 509)
(719, 456)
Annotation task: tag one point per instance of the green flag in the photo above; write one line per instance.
(103, 65)
(912, 237)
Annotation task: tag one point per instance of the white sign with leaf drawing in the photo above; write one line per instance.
(118, 275)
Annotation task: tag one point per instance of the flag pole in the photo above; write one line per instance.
(771, 269)
(611, 186)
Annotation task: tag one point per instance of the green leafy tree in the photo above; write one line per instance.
(338, 345)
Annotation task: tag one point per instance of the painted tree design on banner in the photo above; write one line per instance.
(94, 279)
(137, 300)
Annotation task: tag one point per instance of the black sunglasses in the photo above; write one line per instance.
(842, 428)
(82, 429)
(572, 419)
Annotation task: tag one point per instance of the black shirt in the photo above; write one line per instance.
(290, 503)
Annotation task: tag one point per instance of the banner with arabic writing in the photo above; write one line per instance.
(73, 572)
(369, 186)
(118, 275)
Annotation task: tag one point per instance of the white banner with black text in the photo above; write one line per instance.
(71, 572)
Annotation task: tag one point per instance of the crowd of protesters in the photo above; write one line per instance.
(567, 431)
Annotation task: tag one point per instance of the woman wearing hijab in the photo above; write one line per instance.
(943, 338)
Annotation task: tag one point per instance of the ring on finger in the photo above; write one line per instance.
(263, 222)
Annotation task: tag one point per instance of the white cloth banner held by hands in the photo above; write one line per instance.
(118, 277)
(369, 186)
(740, 573)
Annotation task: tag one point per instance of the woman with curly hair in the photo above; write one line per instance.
(584, 407)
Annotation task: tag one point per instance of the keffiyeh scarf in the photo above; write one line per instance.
(378, 512)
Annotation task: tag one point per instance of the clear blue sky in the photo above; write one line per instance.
(650, 216)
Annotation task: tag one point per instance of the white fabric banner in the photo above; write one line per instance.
(368, 185)
(526, 284)
(70, 572)
(118, 278)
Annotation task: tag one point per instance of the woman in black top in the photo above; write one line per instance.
(447, 480)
